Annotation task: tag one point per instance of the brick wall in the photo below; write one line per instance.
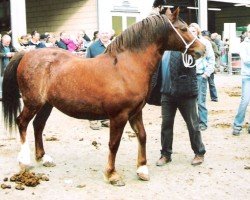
(61, 15)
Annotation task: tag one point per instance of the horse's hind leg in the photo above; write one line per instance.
(39, 124)
(22, 121)
(117, 125)
(137, 125)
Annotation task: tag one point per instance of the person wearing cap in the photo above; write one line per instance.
(204, 68)
(245, 96)
(158, 7)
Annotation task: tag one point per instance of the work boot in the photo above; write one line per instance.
(198, 159)
(94, 125)
(203, 127)
(163, 160)
(236, 132)
(105, 123)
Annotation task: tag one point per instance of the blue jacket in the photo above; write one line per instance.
(38, 45)
(95, 49)
(61, 44)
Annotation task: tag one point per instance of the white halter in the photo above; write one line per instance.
(187, 59)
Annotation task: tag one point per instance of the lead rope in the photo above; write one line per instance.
(186, 58)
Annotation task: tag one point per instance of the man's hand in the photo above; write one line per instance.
(10, 54)
(204, 76)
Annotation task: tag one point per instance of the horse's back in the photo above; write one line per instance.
(40, 58)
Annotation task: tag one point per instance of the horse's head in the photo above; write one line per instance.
(180, 38)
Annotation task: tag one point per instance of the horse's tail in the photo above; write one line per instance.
(10, 101)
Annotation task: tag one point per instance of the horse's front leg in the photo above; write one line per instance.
(137, 125)
(117, 125)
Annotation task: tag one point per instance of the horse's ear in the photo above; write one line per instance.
(175, 14)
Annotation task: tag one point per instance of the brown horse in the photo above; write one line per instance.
(113, 85)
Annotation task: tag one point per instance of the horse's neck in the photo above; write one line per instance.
(141, 65)
(151, 57)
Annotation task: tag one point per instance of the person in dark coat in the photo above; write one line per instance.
(60, 42)
(7, 51)
(35, 40)
(175, 87)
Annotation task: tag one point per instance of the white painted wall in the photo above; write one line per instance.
(105, 7)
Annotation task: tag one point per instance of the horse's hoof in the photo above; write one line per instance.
(142, 173)
(25, 167)
(113, 179)
(143, 177)
(48, 161)
(118, 183)
(49, 164)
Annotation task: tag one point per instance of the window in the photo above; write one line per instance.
(120, 23)
(117, 24)
(130, 21)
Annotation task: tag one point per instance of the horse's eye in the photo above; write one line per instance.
(184, 29)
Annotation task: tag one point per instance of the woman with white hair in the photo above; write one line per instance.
(245, 72)
(204, 68)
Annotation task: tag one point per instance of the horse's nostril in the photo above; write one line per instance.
(198, 54)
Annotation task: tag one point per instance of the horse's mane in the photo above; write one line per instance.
(139, 35)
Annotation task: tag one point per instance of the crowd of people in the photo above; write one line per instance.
(179, 87)
(73, 43)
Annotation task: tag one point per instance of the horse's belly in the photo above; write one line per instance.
(81, 111)
(86, 115)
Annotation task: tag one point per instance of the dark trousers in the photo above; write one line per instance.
(188, 110)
